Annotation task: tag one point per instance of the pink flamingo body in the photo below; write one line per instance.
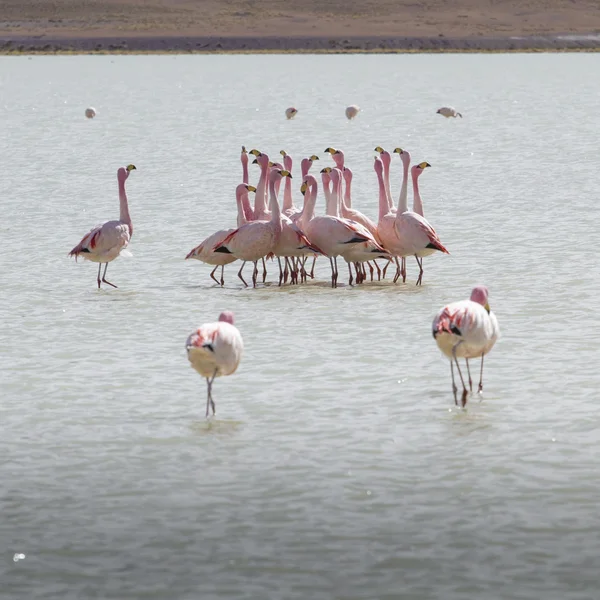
(205, 253)
(466, 329)
(215, 350)
(105, 242)
(256, 239)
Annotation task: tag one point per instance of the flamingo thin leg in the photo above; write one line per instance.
(463, 398)
(240, 273)
(264, 270)
(104, 276)
(209, 399)
(480, 388)
(212, 275)
(312, 271)
(99, 267)
(454, 388)
(420, 263)
(469, 373)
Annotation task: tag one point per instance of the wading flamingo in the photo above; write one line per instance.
(334, 236)
(448, 111)
(466, 329)
(255, 239)
(352, 111)
(105, 242)
(204, 251)
(215, 350)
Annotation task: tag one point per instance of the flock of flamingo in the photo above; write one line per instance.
(292, 234)
(465, 329)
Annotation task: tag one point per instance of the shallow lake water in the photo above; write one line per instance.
(338, 466)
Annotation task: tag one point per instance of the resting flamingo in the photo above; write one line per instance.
(291, 112)
(256, 239)
(204, 251)
(215, 350)
(448, 111)
(105, 242)
(352, 111)
(466, 329)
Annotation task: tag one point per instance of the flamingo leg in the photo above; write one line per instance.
(371, 270)
(480, 388)
(240, 273)
(397, 275)
(210, 403)
(255, 273)
(281, 275)
(312, 271)
(286, 270)
(454, 388)
(463, 398)
(385, 268)
(350, 280)
(403, 270)
(264, 270)
(332, 272)
(222, 277)
(104, 276)
(378, 271)
(469, 373)
(336, 270)
(420, 263)
(99, 267)
(212, 275)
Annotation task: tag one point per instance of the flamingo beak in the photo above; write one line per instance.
(314, 157)
(303, 188)
(255, 161)
(398, 151)
(487, 307)
(330, 150)
(286, 174)
(379, 149)
(250, 188)
(283, 153)
(255, 152)
(131, 168)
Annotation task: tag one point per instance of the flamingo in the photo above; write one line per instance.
(256, 239)
(215, 350)
(352, 111)
(338, 157)
(415, 172)
(386, 159)
(466, 329)
(448, 111)
(291, 112)
(90, 112)
(403, 199)
(335, 236)
(105, 242)
(204, 251)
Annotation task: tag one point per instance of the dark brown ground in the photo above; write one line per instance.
(303, 25)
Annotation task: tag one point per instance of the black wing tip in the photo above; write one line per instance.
(222, 250)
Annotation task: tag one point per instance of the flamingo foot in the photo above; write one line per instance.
(464, 396)
(108, 282)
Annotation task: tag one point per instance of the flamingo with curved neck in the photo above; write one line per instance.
(415, 173)
(204, 251)
(256, 239)
(104, 243)
(386, 159)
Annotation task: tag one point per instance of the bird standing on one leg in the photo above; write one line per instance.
(215, 350)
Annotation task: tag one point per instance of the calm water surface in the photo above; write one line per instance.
(338, 467)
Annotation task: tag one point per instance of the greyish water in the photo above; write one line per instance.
(337, 467)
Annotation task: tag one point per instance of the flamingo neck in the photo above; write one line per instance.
(245, 176)
(333, 201)
(274, 207)
(242, 217)
(403, 199)
(260, 199)
(387, 186)
(417, 204)
(384, 207)
(308, 210)
(124, 207)
(288, 203)
(348, 194)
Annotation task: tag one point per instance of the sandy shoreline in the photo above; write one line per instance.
(141, 26)
(239, 44)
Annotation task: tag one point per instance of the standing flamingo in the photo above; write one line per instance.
(403, 199)
(204, 251)
(215, 350)
(256, 239)
(105, 242)
(466, 329)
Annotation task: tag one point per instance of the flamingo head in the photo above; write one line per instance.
(480, 295)
(244, 188)
(287, 162)
(418, 169)
(404, 156)
(262, 160)
(123, 172)
(307, 180)
(347, 172)
(277, 174)
(255, 152)
(378, 166)
(227, 317)
(379, 149)
(313, 157)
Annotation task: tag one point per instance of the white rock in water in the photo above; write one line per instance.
(90, 112)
